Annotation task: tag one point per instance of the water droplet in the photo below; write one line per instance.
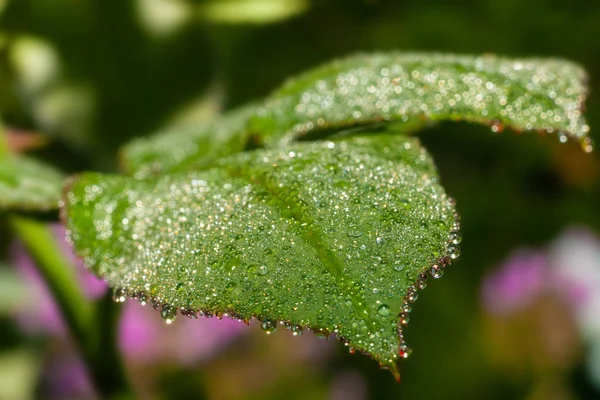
(297, 330)
(411, 294)
(454, 251)
(168, 313)
(422, 281)
(232, 263)
(321, 334)
(406, 307)
(436, 272)
(268, 326)
(120, 295)
(252, 269)
(497, 126)
(189, 313)
(230, 286)
(399, 267)
(143, 298)
(404, 351)
(263, 270)
(404, 319)
(353, 231)
(383, 310)
(455, 237)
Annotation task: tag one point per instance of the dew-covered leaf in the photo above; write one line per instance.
(181, 148)
(523, 94)
(328, 236)
(409, 90)
(28, 185)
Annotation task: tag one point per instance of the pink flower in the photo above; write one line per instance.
(519, 280)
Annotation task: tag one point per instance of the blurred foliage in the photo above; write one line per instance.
(99, 73)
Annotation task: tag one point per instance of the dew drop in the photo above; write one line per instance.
(404, 319)
(383, 310)
(354, 232)
(143, 298)
(120, 295)
(422, 281)
(436, 272)
(411, 295)
(263, 270)
(297, 330)
(404, 351)
(268, 326)
(399, 267)
(455, 237)
(454, 251)
(189, 313)
(168, 313)
(252, 269)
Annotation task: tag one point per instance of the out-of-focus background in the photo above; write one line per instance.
(516, 317)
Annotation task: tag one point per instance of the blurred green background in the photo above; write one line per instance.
(80, 78)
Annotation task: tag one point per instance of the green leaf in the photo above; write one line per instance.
(252, 11)
(194, 146)
(330, 236)
(522, 94)
(408, 90)
(334, 236)
(28, 185)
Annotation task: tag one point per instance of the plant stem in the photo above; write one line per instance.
(57, 273)
(96, 341)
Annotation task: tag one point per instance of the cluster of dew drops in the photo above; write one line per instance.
(169, 313)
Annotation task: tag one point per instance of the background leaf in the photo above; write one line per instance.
(28, 185)
(330, 236)
(418, 88)
(181, 148)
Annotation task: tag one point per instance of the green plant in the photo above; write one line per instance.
(315, 208)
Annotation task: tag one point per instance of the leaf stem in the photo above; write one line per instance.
(97, 346)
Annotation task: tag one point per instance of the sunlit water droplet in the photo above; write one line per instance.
(436, 272)
(454, 251)
(168, 314)
(404, 351)
(399, 267)
(383, 310)
(268, 326)
(422, 281)
(120, 295)
(297, 330)
(404, 319)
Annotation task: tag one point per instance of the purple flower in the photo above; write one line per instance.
(518, 281)
(145, 338)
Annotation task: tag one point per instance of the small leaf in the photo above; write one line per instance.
(181, 148)
(252, 11)
(523, 94)
(28, 185)
(330, 236)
